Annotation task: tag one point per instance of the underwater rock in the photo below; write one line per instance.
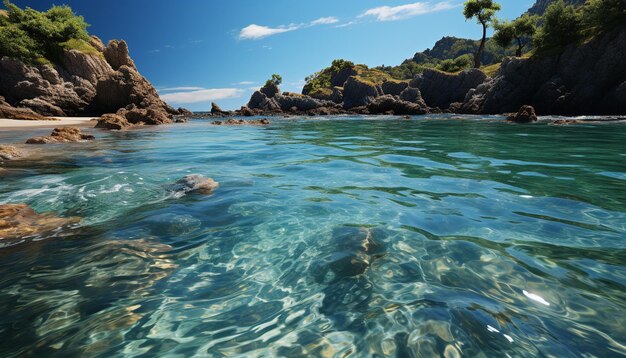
(62, 135)
(352, 251)
(20, 220)
(8, 152)
(194, 183)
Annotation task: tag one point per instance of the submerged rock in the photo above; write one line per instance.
(8, 152)
(526, 114)
(565, 122)
(194, 183)
(19, 220)
(352, 251)
(62, 135)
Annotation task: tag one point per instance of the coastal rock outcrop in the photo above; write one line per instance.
(112, 122)
(8, 152)
(241, 122)
(388, 104)
(582, 79)
(19, 221)
(357, 92)
(440, 89)
(526, 114)
(217, 110)
(394, 88)
(62, 135)
(10, 112)
(77, 84)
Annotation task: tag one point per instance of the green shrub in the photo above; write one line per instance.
(604, 15)
(458, 64)
(562, 25)
(275, 80)
(29, 35)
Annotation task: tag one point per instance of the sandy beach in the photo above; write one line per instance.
(7, 124)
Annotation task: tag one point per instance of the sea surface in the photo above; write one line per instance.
(349, 236)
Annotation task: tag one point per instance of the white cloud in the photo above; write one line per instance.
(246, 83)
(325, 21)
(393, 13)
(179, 89)
(256, 32)
(201, 95)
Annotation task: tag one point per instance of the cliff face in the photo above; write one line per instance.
(79, 84)
(582, 80)
(541, 5)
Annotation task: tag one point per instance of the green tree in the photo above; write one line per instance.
(275, 80)
(519, 30)
(604, 15)
(484, 12)
(562, 25)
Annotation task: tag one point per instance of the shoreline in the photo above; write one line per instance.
(16, 124)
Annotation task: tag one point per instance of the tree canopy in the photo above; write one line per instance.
(33, 36)
(484, 11)
(519, 30)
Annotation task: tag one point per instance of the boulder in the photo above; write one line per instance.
(184, 112)
(337, 95)
(357, 92)
(413, 95)
(287, 101)
(339, 79)
(8, 152)
(246, 112)
(149, 116)
(194, 183)
(112, 122)
(216, 110)
(270, 90)
(62, 135)
(352, 250)
(116, 54)
(394, 88)
(526, 114)
(241, 122)
(261, 102)
(19, 221)
(440, 89)
(389, 104)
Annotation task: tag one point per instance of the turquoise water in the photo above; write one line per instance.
(346, 237)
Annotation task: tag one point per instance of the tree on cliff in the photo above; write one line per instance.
(34, 36)
(519, 30)
(562, 25)
(276, 80)
(484, 12)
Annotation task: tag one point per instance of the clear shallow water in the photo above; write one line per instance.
(491, 239)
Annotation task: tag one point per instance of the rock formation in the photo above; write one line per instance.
(18, 221)
(79, 84)
(526, 114)
(62, 135)
(584, 79)
(440, 89)
(241, 122)
(8, 152)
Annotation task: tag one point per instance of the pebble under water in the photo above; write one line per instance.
(350, 236)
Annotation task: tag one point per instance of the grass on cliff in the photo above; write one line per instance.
(320, 83)
(37, 37)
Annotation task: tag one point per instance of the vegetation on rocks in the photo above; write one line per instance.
(484, 12)
(519, 31)
(321, 84)
(39, 37)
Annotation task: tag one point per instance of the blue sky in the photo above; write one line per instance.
(198, 51)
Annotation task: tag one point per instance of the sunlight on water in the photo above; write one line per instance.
(350, 237)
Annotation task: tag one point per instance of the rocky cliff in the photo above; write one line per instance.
(581, 80)
(80, 84)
